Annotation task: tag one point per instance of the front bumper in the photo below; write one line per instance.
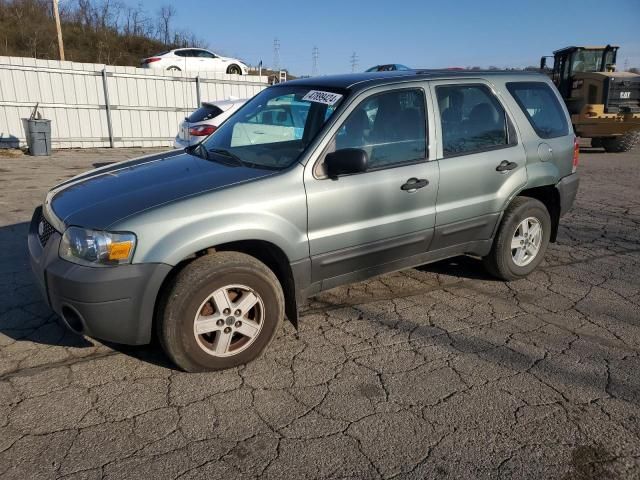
(568, 189)
(110, 303)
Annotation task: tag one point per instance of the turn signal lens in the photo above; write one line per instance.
(120, 250)
(576, 154)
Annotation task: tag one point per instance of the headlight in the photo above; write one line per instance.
(95, 248)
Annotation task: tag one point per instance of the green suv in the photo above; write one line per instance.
(311, 184)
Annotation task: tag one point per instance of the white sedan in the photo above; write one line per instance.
(204, 121)
(195, 59)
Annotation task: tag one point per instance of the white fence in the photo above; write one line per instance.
(93, 105)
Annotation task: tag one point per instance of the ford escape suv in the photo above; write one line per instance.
(212, 246)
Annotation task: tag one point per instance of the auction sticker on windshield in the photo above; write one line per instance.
(318, 96)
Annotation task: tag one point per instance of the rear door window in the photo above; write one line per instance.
(472, 120)
(206, 112)
(541, 106)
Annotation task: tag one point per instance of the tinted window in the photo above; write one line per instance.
(541, 106)
(203, 54)
(472, 119)
(390, 127)
(206, 112)
(183, 53)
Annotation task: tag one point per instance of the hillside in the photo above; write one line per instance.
(93, 31)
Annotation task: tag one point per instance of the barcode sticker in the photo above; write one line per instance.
(328, 98)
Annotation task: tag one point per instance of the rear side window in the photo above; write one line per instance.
(206, 112)
(472, 120)
(541, 106)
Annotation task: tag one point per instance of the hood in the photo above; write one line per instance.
(100, 198)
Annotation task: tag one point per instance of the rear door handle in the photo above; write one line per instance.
(414, 184)
(506, 165)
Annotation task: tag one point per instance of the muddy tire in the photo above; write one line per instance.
(622, 143)
(521, 241)
(220, 311)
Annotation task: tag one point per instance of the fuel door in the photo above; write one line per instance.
(545, 152)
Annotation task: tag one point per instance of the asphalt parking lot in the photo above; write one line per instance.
(434, 372)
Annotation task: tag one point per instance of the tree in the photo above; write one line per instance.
(166, 14)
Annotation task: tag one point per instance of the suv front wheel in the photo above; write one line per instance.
(522, 240)
(222, 310)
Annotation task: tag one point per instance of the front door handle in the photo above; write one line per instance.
(506, 165)
(414, 184)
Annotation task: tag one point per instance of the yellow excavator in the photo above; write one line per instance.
(604, 104)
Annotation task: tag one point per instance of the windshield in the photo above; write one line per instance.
(274, 128)
(586, 61)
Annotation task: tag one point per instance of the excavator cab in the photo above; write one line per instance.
(572, 60)
(604, 104)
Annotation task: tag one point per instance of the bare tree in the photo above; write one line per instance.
(166, 14)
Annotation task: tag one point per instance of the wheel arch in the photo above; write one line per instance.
(550, 197)
(264, 251)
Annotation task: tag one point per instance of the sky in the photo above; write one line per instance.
(420, 34)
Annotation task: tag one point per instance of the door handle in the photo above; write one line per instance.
(506, 165)
(414, 184)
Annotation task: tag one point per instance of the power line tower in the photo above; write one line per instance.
(626, 64)
(314, 55)
(276, 54)
(354, 62)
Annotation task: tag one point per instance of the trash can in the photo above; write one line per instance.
(39, 136)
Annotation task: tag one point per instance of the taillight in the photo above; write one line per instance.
(202, 130)
(146, 61)
(576, 154)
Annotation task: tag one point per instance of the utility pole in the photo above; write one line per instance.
(276, 55)
(314, 55)
(354, 62)
(56, 14)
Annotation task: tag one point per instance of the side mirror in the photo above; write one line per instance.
(543, 63)
(345, 162)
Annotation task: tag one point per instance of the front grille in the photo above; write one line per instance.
(45, 230)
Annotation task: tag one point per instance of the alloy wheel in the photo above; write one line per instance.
(526, 241)
(229, 320)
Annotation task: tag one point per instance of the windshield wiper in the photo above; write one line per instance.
(227, 153)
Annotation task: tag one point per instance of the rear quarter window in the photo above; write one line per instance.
(542, 108)
(206, 112)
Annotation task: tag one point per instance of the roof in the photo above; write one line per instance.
(585, 47)
(363, 80)
(225, 104)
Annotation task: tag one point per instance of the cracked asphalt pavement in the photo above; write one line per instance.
(434, 372)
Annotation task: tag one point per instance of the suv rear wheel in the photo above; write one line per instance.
(220, 311)
(521, 241)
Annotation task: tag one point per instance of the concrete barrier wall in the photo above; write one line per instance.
(92, 105)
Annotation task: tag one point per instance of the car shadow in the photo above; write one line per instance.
(461, 267)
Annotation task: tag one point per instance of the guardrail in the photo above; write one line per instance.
(93, 105)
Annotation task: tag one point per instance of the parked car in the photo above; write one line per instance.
(195, 59)
(389, 67)
(357, 176)
(204, 121)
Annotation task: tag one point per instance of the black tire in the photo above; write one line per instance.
(622, 143)
(234, 70)
(500, 262)
(173, 68)
(192, 286)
